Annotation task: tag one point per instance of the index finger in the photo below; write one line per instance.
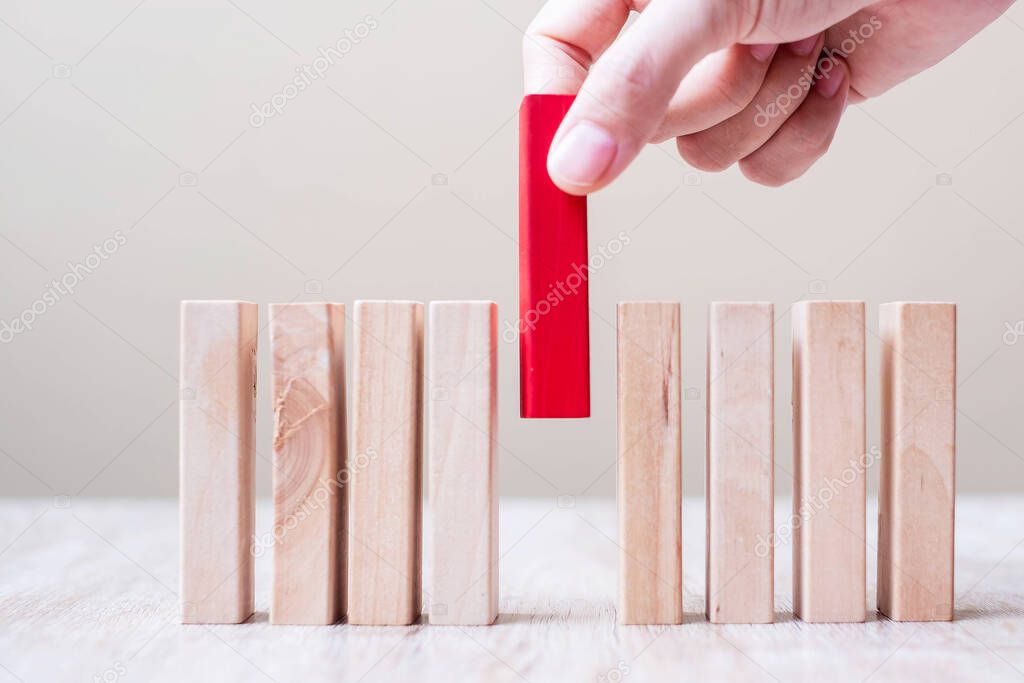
(624, 82)
(565, 39)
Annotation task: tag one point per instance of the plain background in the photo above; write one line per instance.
(394, 176)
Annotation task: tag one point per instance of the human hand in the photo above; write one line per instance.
(760, 82)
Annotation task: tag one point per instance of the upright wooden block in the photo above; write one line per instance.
(462, 352)
(384, 465)
(554, 313)
(218, 415)
(650, 459)
(740, 463)
(917, 494)
(830, 462)
(307, 345)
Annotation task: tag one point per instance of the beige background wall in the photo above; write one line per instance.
(395, 176)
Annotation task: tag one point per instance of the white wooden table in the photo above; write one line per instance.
(88, 592)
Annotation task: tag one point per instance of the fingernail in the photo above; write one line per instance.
(763, 53)
(583, 155)
(802, 48)
(828, 85)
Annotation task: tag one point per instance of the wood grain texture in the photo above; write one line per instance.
(218, 415)
(830, 462)
(307, 481)
(740, 462)
(917, 492)
(557, 621)
(462, 352)
(649, 464)
(384, 557)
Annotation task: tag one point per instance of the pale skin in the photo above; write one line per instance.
(759, 83)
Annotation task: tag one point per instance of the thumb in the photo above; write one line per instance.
(627, 90)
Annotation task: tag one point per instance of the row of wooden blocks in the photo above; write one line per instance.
(830, 462)
(346, 539)
(347, 521)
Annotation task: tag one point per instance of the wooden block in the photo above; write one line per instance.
(740, 463)
(554, 313)
(650, 458)
(830, 462)
(384, 466)
(218, 415)
(917, 494)
(307, 345)
(463, 484)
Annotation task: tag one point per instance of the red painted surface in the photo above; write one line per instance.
(554, 325)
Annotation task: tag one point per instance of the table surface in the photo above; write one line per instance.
(88, 592)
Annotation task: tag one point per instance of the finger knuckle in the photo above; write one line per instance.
(814, 142)
(739, 93)
(696, 153)
(748, 13)
(764, 174)
(634, 75)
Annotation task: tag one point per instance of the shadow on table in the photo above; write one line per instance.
(264, 618)
(605, 613)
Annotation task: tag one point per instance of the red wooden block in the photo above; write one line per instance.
(554, 325)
